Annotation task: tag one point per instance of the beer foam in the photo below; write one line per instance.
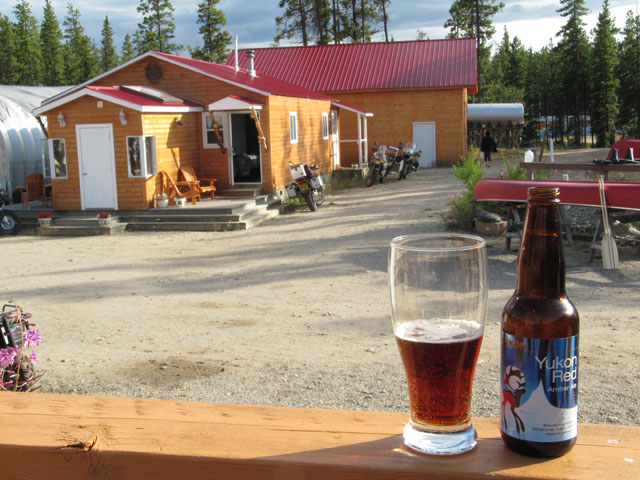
(439, 330)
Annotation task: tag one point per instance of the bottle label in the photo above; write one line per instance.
(539, 388)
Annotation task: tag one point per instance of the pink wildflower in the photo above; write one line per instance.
(32, 338)
(33, 358)
(7, 356)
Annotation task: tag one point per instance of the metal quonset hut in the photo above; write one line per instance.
(23, 147)
(416, 90)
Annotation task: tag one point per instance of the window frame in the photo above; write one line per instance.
(293, 127)
(325, 126)
(146, 170)
(221, 119)
(52, 159)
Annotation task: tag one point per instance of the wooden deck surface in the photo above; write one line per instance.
(78, 437)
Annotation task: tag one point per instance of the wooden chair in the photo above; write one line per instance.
(34, 190)
(175, 189)
(205, 185)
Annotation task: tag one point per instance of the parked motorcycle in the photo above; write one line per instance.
(9, 221)
(307, 184)
(411, 158)
(377, 165)
(395, 160)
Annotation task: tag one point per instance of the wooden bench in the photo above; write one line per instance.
(79, 437)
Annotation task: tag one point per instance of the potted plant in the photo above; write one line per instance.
(162, 200)
(44, 219)
(104, 218)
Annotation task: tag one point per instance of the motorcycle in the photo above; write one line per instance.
(377, 165)
(411, 157)
(395, 160)
(9, 221)
(307, 184)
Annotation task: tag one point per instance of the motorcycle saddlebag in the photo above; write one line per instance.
(291, 190)
(298, 173)
(316, 182)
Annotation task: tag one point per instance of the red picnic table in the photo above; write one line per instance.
(619, 195)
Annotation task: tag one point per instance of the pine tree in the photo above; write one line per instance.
(216, 40)
(51, 46)
(294, 22)
(108, 56)
(574, 48)
(80, 55)
(472, 18)
(157, 29)
(8, 60)
(627, 72)
(604, 94)
(127, 52)
(28, 50)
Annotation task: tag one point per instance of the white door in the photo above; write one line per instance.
(424, 136)
(335, 139)
(96, 161)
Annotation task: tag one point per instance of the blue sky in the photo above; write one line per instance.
(535, 22)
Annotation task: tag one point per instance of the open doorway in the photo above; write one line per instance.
(245, 161)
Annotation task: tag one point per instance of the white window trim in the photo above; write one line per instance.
(293, 132)
(52, 160)
(143, 156)
(221, 119)
(325, 126)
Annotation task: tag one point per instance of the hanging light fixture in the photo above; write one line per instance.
(123, 118)
(61, 120)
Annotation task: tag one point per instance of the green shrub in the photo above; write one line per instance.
(470, 171)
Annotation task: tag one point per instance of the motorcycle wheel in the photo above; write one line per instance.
(403, 173)
(311, 201)
(373, 174)
(10, 224)
(319, 196)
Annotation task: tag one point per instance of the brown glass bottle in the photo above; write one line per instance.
(539, 351)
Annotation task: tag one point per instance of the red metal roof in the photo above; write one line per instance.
(370, 66)
(262, 83)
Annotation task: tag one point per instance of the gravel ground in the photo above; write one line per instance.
(294, 312)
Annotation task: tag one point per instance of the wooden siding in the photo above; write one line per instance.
(85, 111)
(311, 147)
(177, 146)
(395, 114)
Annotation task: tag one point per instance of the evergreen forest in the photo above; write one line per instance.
(578, 89)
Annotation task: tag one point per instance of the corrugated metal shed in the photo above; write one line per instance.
(370, 66)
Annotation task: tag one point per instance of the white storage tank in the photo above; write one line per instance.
(495, 113)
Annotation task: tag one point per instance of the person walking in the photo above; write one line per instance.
(488, 146)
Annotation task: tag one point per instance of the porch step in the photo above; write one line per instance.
(227, 215)
(240, 191)
(69, 226)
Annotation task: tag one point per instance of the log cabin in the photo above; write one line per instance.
(417, 90)
(110, 137)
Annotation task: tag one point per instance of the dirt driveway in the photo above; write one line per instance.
(294, 312)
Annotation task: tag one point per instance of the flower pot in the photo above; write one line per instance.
(181, 202)
(104, 221)
(162, 202)
(44, 222)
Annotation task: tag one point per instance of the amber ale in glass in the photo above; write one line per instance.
(539, 344)
(438, 285)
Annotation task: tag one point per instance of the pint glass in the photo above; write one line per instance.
(438, 287)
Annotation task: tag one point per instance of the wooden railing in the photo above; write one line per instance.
(64, 437)
(598, 168)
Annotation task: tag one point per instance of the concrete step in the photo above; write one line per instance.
(56, 230)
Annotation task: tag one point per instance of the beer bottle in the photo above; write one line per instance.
(539, 351)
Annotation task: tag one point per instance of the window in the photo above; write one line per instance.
(325, 126)
(58, 158)
(213, 130)
(293, 127)
(141, 155)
